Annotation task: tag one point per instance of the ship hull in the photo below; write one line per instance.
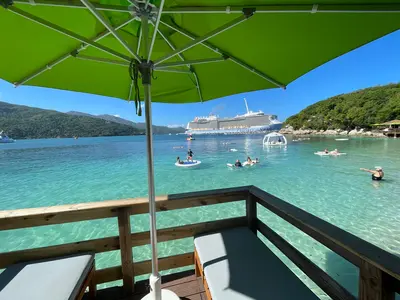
(238, 125)
(250, 130)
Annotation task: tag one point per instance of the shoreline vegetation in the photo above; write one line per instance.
(333, 132)
(352, 114)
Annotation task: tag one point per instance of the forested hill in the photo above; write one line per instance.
(23, 122)
(348, 111)
(140, 125)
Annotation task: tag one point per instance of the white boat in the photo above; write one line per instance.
(331, 153)
(4, 139)
(274, 139)
(188, 164)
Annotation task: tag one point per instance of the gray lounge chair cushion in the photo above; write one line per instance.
(237, 265)
(51, 279)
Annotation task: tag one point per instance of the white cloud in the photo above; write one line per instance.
(142, 105)
(118, 116)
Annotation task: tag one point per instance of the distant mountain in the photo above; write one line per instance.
(139, 125)
(116, 120)
(23, 122)
(77, 113)
(360, 109)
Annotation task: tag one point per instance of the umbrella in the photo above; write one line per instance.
(180, 50)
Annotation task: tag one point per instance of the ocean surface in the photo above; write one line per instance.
(35, 173)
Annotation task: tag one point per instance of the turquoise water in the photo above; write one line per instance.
(37, 173)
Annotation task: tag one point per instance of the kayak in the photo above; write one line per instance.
(233, 166)
(341, 139)
(188, 164)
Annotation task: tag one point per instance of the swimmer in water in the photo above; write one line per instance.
(377, 174)
(335, 152)
(238, 164)
(190, 155)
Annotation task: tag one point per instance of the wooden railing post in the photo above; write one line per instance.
(251, 212)
(374, 284)
(125, 241)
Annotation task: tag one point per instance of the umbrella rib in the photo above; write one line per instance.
(180, 55)
(192, 62)
(66, 32)
(69, 54)
(155, 29)
(70, 4)
(199, 40)
(103, 60)
(231, 57)
(107, 24)
(197, 85)
(289, 8)
(175, 70)
(138, 45)
(169, 43)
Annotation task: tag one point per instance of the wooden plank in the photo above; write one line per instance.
(124, 227)
(316, 274)
(144, 267)
(112, 243)
(193, 199)
(251, 212)
(31, 217)
(342, 242)
(184, 283)
(373, 284)
(174, 233)
(165, 263)
(97, 246)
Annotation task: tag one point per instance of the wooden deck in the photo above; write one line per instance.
(379, 277)
(184, 284)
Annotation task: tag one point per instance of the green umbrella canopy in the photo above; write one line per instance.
(280, 42)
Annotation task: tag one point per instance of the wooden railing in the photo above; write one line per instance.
(379, 270)
(122, 210)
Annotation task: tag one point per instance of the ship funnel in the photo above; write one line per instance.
(247, 107)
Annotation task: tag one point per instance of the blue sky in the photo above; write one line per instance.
(374, 64)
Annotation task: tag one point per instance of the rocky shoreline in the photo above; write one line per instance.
(332, 132)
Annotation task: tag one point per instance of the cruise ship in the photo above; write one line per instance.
(250, 122)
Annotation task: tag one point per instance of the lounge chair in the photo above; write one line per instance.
(61, 278)
(236, 265)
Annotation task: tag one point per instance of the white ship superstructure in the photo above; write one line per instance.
(248, 122)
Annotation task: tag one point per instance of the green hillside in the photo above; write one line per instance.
(23, 122)
(348, 111)
(140, 125)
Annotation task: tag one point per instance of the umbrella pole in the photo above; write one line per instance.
(155, 280)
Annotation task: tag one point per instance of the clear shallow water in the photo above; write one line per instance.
(58, 171)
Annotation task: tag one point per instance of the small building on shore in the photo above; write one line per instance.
(390, 128)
